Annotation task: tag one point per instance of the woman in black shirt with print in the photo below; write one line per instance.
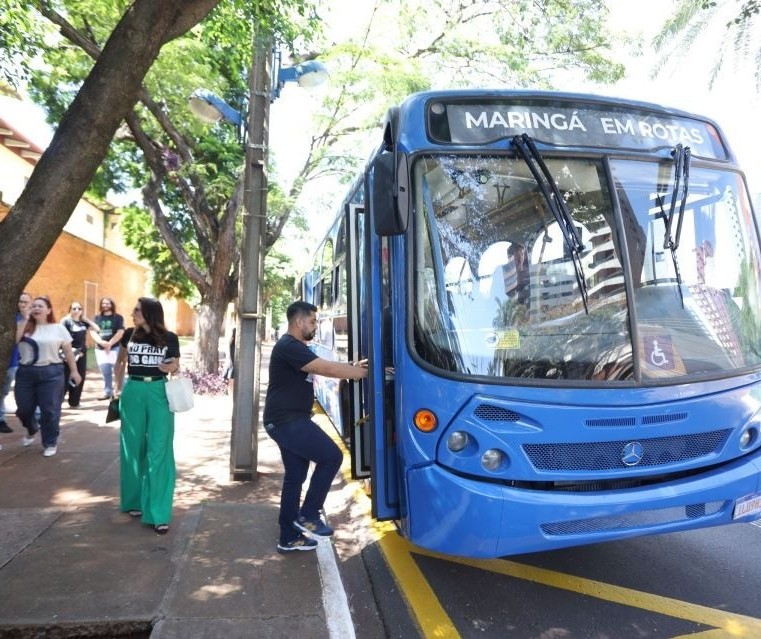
(149, 352)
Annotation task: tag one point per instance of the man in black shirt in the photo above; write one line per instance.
(287, 419)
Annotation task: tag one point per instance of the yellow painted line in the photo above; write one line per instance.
(434, 621)
(716, 633)
(735, 625)
(423, 602)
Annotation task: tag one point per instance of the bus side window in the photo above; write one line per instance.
(326, 296)
(340, 325)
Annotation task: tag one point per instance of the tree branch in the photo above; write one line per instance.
(151, 198)
(194, 197)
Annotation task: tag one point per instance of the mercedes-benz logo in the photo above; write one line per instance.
(632, 454)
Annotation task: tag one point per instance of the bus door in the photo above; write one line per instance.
(380, 385)
(359, 433)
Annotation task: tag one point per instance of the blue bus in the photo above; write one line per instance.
(560, 299)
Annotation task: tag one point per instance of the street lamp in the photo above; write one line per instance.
(263, 90)
(308, 74)
(210, 108)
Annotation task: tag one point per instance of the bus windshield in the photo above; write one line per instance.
(656, 292)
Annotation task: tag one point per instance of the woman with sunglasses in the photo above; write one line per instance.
(77, 324)
(150, 352)
(39, 379)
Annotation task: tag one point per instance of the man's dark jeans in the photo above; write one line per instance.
(300, 442)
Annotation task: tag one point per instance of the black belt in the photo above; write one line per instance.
(146, 378)
(40, 365)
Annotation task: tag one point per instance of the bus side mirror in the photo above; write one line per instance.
(390, 196)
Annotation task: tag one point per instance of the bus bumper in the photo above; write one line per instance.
(461, 516)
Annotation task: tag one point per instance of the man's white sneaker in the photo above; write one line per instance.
(50, 451)
(27, 441)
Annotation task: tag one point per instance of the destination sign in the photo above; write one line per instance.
(588, 125)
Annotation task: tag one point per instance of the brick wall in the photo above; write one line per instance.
(76, 270)
(179, 317)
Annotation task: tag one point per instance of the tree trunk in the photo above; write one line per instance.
(209, 317)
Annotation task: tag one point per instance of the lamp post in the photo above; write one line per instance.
(265, 81)
(244, 436)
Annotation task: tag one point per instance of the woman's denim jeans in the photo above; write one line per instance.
(40, 386)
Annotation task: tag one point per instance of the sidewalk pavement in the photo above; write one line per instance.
(72, 565)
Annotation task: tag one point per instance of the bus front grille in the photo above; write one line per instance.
(634, 520)
(611, 455)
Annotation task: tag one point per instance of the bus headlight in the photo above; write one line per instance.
(457, 441)
(493, 459)
(747, 438)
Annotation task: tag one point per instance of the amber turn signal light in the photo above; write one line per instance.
(425, 420)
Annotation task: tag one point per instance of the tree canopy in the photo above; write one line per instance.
(739, 39)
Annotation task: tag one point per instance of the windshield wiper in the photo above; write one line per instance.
(682, 156)
(528, 152)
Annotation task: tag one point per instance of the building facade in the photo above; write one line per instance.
(90, 259)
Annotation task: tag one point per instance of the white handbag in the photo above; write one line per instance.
(179, 394)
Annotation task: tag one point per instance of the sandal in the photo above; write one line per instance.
(135, 513)
(161, 529)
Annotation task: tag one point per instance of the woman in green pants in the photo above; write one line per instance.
(149, 353)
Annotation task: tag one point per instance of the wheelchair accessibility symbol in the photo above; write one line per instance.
(659, 351)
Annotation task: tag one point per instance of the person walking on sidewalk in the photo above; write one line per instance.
(229, 374)
(77, 324)
(24, 301)
(107, 339)
(287, 420)
(39, 379)
(146, 443)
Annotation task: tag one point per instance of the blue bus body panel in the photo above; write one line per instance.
(459, 516)
(539, 415)
(693, 467)
(385, 480)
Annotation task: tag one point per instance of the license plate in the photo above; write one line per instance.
(748, 505)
